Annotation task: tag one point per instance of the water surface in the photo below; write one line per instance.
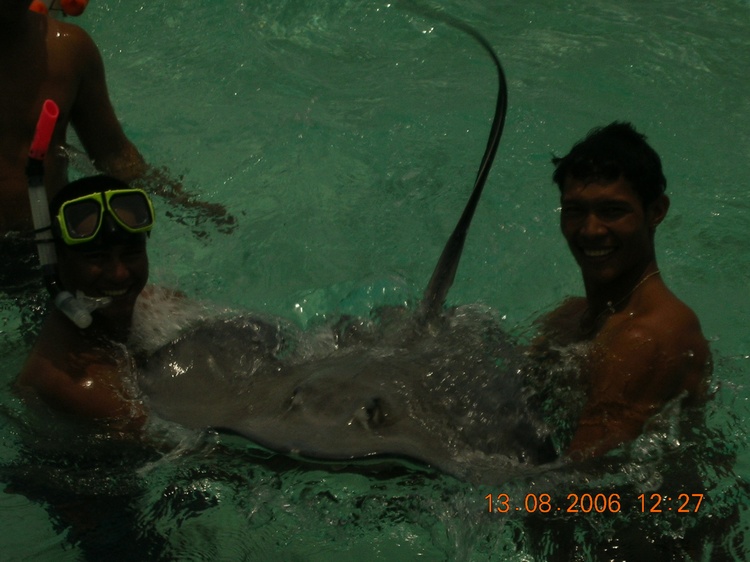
(344, 136)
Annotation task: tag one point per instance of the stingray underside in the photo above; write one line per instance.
(450, 397)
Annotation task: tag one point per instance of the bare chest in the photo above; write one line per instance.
(27, 78)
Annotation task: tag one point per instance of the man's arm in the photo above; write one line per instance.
(103, 138)
(94, 118)
(633, 372)
(626, 388)
(85, 383)
(92, 396)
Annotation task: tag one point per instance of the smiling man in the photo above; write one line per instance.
(100, 226)
(645, 346)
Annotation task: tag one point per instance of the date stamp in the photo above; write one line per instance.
(593, 503)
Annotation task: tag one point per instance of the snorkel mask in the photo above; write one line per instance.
(89, 221)
(94, 215)
(108, 215)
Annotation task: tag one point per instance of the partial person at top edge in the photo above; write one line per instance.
(645, 347)
(43, 58)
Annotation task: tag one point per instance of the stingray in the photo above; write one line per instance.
(436, 386)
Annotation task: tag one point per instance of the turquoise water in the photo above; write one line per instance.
(344, 137)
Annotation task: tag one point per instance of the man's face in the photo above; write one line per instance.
(119, 272)
(609, 232)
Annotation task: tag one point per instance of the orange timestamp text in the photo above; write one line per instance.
(593, 503)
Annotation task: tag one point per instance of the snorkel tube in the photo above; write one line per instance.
(79, 308)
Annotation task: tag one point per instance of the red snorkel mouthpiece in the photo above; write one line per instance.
(39, 7)
(44, 128)
(68, 7)
(73, 7)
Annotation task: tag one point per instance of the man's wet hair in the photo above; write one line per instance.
(610, 152)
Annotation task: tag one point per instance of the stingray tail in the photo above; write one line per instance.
(445, 271)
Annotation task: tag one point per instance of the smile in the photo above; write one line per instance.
(592, 253)
(114, 293)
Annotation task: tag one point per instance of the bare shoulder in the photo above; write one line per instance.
(69, 34)
(661, 317)
(70, 375)
(42, 377)
(561, 326)
(44, 366)
(674, 324)
(685, 349)
(569, 306)
(664, 342)
(66, 40)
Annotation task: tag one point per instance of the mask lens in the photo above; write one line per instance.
(82, 219)
(132, 210)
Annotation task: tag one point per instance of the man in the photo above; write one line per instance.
(47, 59)
(100, 228)
(43, 58)
(645, 345)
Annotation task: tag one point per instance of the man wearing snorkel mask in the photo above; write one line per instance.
(100, 226)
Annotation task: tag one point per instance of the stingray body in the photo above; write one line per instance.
(450, 397)
(440, 387)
